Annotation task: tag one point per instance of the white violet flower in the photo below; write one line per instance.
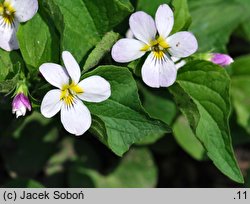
(158, 70)
(13, 12)
(75, 116)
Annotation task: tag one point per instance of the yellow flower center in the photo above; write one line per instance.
(69, 92)
(157, 46)
(8, 13)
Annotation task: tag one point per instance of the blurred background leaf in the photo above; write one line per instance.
(23, 183)
(135, 170)
(213, 22)
(240, 74)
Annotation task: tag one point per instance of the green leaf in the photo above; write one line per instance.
(38, 43)
(23, 183)
(213, 22)
(8, 85)
(82, 23)
(180, 7)
(187, 140)
(121, 121)
(240, 90)
(136, 170)
(10, 64)
(106, 14)
(26, 151)
(150, 6)
(181, 15)
(158, 107)
(102, 48)
(157, 104)
(202, 94)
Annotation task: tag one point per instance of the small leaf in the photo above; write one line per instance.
(202, 94)
(102, 48)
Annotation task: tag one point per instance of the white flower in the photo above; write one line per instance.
(12, 12)
(158, 70)
(75, 116)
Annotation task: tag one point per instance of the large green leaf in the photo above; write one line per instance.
(137, 169)
(121, 121)
(213, 22)
(38, 43)
(202, 94)
(82, 23)
(240, 90)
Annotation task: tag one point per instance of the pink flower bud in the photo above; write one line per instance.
(221, 59)
(20, 104)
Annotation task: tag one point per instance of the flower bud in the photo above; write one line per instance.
(221, 59)
(20, 105)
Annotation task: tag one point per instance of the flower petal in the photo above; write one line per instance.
(180, 64)
(158, 72)
(8, 40)
(76, 119)
(72, 66)
(164, 20)
(95, 89)
(24, 9)
(55, 74)
(129, 34)
(127, 50)
(51, 103)
(182, 44)
(142, 26)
